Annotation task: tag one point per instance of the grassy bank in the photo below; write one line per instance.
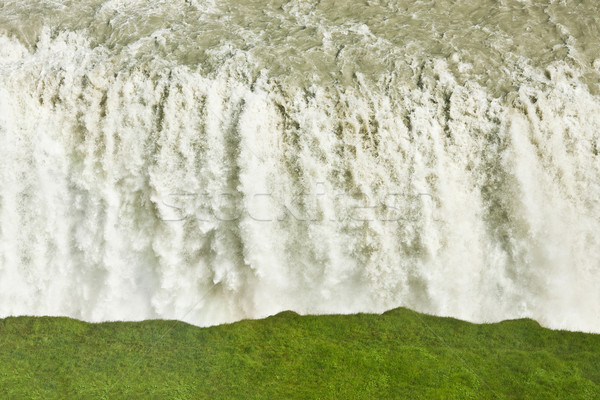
(400, 354)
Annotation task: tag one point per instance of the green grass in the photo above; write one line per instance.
(400, 354)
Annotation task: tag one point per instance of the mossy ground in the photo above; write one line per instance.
(397, 355)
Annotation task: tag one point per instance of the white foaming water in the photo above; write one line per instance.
(152, 168)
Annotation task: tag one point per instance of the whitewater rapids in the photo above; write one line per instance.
(214, 161)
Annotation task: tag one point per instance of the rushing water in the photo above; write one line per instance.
(212, 161)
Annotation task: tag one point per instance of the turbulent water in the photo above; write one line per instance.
(213, 161)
